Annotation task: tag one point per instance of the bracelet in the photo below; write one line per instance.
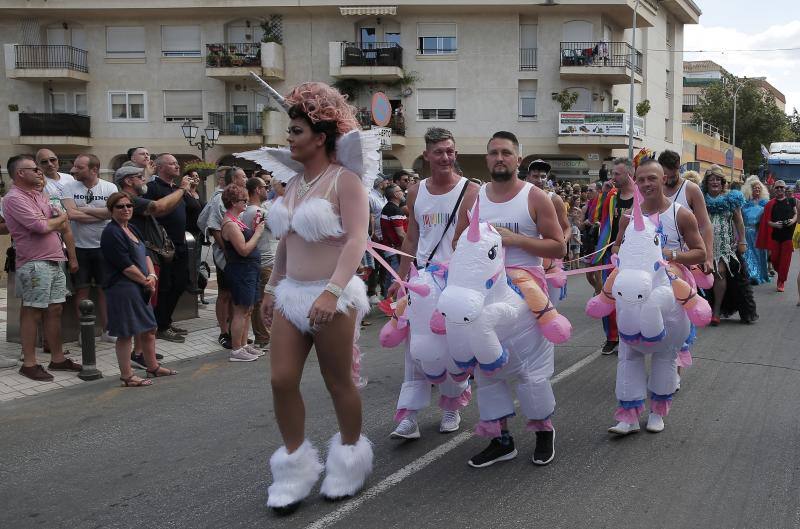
(336, 290)
(153, 276)
(269, 289)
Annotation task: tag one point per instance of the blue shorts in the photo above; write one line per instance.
(242, 281)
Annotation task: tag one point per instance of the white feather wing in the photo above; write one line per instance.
(277, 161)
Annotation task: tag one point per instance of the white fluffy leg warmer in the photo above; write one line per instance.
(347, 467)
(293, 475)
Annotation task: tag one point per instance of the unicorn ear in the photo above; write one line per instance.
(422, 290)
(413, 273)
(474, 232)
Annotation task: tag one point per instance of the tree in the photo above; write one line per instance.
(794, 125)
(758, 120)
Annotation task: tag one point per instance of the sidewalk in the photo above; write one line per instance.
(202, 339)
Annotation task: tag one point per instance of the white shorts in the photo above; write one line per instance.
(294, 299)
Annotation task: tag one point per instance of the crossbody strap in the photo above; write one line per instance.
(449, 221)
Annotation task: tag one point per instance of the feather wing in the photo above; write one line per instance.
(277, 161)
(359, 151)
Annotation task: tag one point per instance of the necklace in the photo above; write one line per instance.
(304, 187)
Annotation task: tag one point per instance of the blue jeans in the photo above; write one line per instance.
(394, 261)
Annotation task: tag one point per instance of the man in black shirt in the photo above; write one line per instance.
(173, 276)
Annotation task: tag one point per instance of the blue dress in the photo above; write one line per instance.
(242, 272)
(128, 303)
(756, 258)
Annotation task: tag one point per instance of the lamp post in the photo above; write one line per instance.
(633, 79)
(733, 142)
(207, 140)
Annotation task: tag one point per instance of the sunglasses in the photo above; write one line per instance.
(48, 160)
(123, 206)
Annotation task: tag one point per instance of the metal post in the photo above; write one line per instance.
(202, 146)
(89, 370)
(633, 77)
(733, 144)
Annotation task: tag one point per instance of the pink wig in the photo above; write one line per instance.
(321, 102)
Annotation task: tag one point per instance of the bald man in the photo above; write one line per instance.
(54, 181)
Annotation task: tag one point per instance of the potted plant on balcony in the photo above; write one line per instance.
(642, 108)
(566, 99)
(272, 47)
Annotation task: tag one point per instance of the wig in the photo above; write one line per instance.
(321, 103)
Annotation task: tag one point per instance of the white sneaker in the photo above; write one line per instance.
(105, 337)
(407, 429)
(655, 423)
(624, 428)
(253, 350)
(374, 299)
(451, 420)
(241, 355)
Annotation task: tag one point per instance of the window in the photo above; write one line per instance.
(125, 41)
(180, 105)
(527, 46)
(436, 104)
(58, 102)
(527, 99)
(81, 104)
(180, 41)
(436, 39)
(127, 106)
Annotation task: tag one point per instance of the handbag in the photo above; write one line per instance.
(796, 237)
(157, 241)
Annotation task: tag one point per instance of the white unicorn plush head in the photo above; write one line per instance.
(639, 257)
(475, 269)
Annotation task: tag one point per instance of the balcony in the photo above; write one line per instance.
(231, 61)
(46, 62)
(237, 128)
(370, 61)
(608, 62)
(397, 124)
(52, 129)
(598, 129)
(527, 59)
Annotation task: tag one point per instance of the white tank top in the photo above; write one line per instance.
(680, 196)
(432, 213)
(671, 238)
(515, 216)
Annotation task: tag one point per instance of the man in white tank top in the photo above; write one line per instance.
(526, 219)
(681, 243)
(431, 203)
(689, 195)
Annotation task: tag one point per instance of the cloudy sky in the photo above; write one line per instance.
(747, 25)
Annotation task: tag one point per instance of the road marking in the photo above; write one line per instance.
(422, 462)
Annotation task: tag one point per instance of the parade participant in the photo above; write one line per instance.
(678, 242)
(313, 297)
(732, 291)
(689, 195)
(525, 218)
(757, 196)
(437, 208)
(776, 230)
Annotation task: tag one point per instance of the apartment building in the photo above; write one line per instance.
(100, 76)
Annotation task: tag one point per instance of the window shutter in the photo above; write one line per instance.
(125, 39)
(183, 104)
(436, 30)
(180, 40)
(436, 98)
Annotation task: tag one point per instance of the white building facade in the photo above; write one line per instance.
(99, 76)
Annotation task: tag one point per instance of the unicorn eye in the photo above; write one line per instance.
(493, 253)
(655, 240)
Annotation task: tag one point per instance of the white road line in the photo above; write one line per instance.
(422, 462)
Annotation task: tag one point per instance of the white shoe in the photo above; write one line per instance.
(346, 468)
(451, 420)
(105, 337)
(374, 299)
(293, 476)
(655, 423)
(624, 428)
(241, 355)
(407, 429)
(253, 350)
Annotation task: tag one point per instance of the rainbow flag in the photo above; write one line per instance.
(604, 212)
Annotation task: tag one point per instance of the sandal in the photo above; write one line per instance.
(129, 382)
(156, 372)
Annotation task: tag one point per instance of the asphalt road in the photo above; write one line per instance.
(192, 451)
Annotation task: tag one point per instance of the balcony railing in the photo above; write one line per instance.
(31, 124)
(600, 55)
(233, 55)
(372, 54)
(236, 123)
(397, 123)
(50, 56)
(527, 59)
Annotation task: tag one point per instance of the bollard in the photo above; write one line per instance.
(89, 370)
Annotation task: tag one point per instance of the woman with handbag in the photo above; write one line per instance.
(130, 281)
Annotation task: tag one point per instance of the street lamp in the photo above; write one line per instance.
(207, 139)
(633, 79)
(733, 144)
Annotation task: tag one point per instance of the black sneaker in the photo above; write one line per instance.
(494, 453)
(545, 449)
(170, 336)
(225, 340)
(610, 347)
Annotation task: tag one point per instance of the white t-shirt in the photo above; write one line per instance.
(87, 235)
(55, 188)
